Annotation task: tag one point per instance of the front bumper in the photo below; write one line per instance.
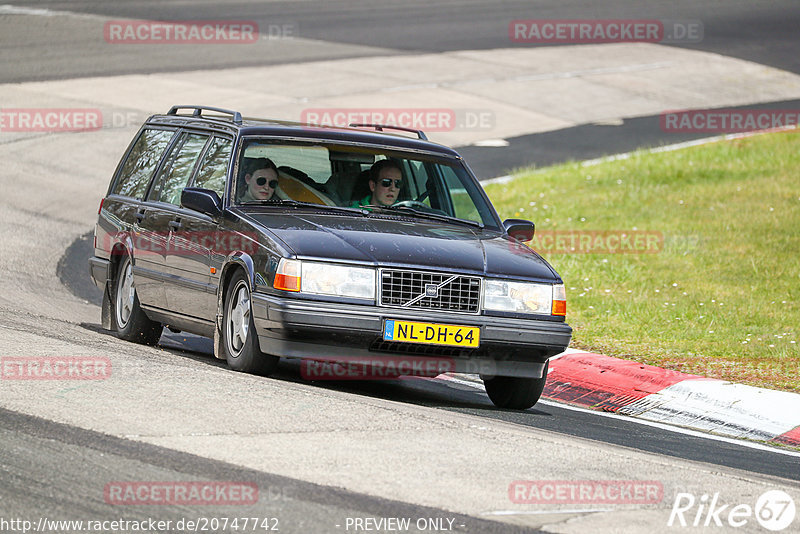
(295, 328)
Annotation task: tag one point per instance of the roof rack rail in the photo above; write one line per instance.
(380, 127)
(237, 117)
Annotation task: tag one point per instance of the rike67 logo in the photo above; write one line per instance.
(774, 510)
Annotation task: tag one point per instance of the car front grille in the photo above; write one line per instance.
(430, 291)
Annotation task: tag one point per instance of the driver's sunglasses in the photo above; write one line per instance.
(272, 183)
(387, 182)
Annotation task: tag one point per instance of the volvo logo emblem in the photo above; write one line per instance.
(431, 290)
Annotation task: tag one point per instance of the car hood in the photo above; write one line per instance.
(405, 242)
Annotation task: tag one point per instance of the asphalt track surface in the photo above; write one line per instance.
(584, 142)
(35, 450)
(53, 471)
(766, 34)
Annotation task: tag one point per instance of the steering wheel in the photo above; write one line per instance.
(416, 204)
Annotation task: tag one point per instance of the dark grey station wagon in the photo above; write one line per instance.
(363, 253)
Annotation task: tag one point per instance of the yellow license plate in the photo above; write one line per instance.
(432, 334)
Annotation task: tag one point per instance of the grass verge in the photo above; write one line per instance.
(713, 285)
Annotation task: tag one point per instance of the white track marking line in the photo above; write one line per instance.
(8, 9)
(654, 424)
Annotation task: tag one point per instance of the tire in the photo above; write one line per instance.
(128, 320)
(514, 392)
(239, 339)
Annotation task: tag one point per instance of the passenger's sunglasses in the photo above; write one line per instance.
(387, 182)
(272, 183)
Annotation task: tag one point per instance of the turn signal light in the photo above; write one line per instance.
(287, 276)
(559, 300)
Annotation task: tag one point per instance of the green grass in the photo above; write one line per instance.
(721, 298)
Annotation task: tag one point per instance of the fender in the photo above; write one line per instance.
(234, 260)
(121, 244)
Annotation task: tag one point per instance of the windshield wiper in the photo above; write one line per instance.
(301, 204)
(430, 215)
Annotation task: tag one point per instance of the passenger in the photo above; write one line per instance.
(262, 182)
(385, 181)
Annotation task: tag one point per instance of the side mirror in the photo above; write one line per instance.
(519, 229)
(202, 200)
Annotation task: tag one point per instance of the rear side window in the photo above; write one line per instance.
(176, 171)
(141, 162)
(213, 169)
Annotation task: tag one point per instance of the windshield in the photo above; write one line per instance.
(345, 176)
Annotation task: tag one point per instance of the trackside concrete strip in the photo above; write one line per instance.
(654, 394)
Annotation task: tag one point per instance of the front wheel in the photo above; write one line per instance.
(239, 332)
(515, 392)
(128, 320)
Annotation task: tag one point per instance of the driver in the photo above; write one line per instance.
(385, 181)
(261, 181)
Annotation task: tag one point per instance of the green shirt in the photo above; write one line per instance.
(366, 201)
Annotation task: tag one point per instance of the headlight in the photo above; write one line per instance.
(518, 297)
(326, 279)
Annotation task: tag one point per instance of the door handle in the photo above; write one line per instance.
(175, 225)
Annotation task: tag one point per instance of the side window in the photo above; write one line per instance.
(464, 206)
(416, 176)
(176, 171)
(214, 168)
(141, 162)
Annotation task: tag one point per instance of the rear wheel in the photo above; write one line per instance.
(239, 332)
(515, 392)
(129, 321)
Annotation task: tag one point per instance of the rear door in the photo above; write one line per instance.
(165, 220)
(197, 272)
(132, 216)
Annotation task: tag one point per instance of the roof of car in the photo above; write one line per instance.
(297, 130)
